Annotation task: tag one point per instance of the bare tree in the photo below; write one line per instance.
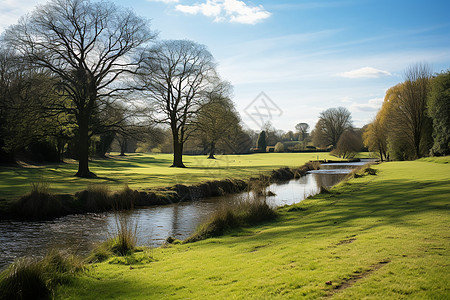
(332, 123)
(176, 75)
(89, 47)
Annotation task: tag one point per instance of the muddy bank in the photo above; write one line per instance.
(39, 205)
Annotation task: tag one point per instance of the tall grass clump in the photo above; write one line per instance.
(98, 198)
(259, 185)
(250, 211)
(125, 198)
(362, 171)
(24, 279)
(38, 203)
(126, 236)
(123, 241)
(30, 278)
(61, 267)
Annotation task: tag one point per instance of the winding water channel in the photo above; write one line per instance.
(79, 233)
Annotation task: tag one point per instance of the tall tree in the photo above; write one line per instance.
(218, 119)
(375, 137)
(176, 76)
(332, 123)
(302, 129)
(24, 92)
(408, 120)
(439, 111)
(349, 144)
(261, 144)
(89, 47)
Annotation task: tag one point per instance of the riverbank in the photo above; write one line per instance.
(145, 171)
(41, 204)
(383, 235)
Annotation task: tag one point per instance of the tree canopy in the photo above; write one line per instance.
(89, 49)
(176, 76)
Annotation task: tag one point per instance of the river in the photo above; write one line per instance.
(80, 233)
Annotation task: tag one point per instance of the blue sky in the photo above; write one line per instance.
(306, 56)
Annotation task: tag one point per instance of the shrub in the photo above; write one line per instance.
(279, 147)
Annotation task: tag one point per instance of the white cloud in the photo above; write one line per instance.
(372, 105)
(12, 10)
(367, 72)
(234, 11)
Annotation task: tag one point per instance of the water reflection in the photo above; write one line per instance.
(80, 232)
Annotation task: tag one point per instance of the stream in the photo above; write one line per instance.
(80, 233)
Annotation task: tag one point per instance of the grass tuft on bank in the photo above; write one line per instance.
(253, 210)
(32, 278)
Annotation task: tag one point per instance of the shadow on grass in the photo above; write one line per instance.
(116, 288)
(131, 161)
(363, 207)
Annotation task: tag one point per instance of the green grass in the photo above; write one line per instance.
(383, 236)
(439, 159)
(146, 171)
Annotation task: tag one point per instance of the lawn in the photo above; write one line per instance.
(145, 171)
(373, 237)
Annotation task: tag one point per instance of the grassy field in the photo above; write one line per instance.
(144, 171)
(373, 237)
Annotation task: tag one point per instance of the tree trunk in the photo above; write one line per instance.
(60, 148)
(83, 149)
(212, 151)
(177, 155)
(123, 147)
